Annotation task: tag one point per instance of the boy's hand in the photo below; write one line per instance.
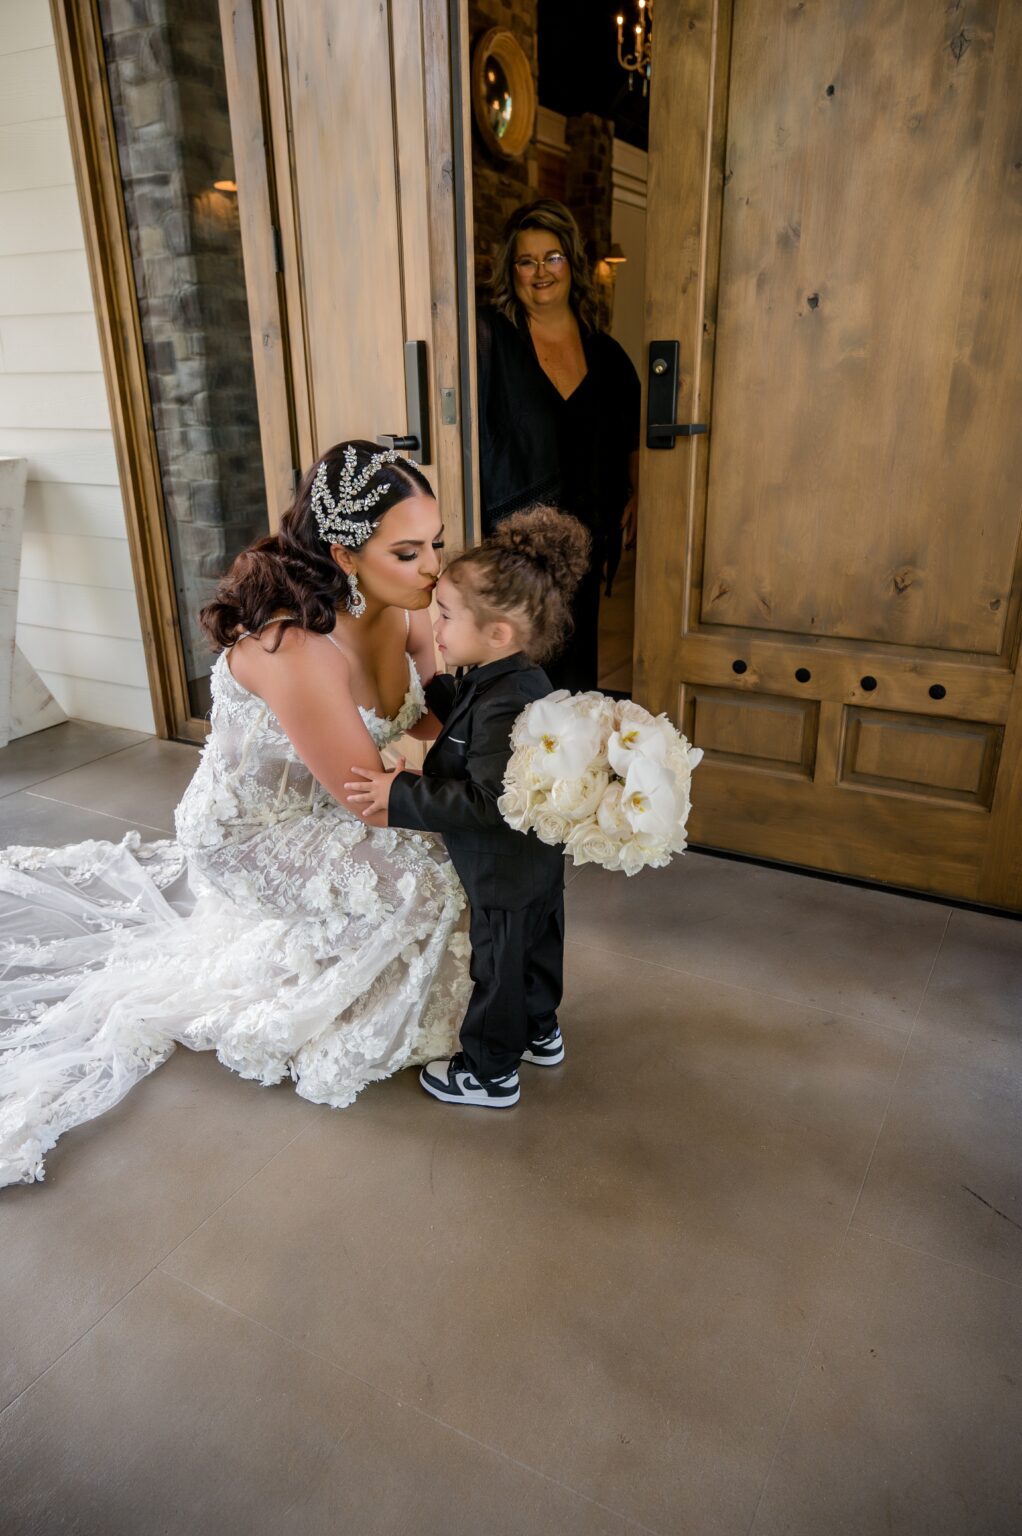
(371, 796)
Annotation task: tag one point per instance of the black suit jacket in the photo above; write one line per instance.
(462, 777)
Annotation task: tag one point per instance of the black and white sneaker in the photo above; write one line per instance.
(547, 1050)
(455, 1083)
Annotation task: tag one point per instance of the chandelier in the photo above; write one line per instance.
(641, 61)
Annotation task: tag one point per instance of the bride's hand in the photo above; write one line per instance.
(369, 795)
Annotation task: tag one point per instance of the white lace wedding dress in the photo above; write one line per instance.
(277, 931)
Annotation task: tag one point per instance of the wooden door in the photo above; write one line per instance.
(829, 581)
(342, 128)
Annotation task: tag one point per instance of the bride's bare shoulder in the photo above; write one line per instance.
(282, 650)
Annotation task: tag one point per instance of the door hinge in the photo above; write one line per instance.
(278, 249)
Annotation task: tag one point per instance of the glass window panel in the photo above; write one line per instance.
(166, 74)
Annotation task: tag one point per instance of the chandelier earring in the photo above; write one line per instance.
(356, 597)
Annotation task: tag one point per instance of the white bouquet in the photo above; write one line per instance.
(604, 777)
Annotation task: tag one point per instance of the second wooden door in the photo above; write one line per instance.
(829, 581)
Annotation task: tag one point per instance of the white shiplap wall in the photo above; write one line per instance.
(77, 613)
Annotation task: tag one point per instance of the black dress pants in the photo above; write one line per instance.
(518, 969)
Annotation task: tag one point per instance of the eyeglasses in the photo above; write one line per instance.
(528, 266)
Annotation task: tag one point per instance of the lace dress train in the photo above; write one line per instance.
(277, 931)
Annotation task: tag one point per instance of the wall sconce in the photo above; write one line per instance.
(223, 180)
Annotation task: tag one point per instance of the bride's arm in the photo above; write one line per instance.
(307, 684)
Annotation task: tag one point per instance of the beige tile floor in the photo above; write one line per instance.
(750, 1263)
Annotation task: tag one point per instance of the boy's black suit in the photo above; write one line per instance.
(515, 883)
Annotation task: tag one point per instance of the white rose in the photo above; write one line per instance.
(610, 813)
(588, 843)
(549, 827)
(577, 799)
(526, 770)
(641, 852)
(515, 805)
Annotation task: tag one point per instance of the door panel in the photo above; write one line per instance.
(350, 180)
(869, 274)
(829, 581)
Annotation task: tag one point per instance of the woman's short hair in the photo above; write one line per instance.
(546, 213)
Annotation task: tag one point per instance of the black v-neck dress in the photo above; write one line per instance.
(535, 446)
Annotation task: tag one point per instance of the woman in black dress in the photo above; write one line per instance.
(558, 407)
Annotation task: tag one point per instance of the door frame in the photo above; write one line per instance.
(81, 60)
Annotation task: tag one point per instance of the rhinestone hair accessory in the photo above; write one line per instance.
(337, 520)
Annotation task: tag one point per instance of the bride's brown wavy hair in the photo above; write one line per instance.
(292, 571)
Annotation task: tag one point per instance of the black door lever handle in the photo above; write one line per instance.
(655, 430)
(662, 399)
(416, 440)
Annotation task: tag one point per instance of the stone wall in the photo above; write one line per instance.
(500, 186)
(589, 193)
(169, 96)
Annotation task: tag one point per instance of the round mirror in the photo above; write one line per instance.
(499, 100)
(503, 93)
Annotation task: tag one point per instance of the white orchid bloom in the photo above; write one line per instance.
(635, 740)
(649, 801)
(565, 742)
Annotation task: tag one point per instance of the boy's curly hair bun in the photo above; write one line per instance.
(527, 572)
(552, 540)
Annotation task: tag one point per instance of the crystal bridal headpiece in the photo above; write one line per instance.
(337, 521)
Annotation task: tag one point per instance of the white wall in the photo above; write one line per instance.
(78, 619)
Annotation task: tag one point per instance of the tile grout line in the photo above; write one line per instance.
(412, 1407)
(132, 746)
(26, 789)
(823, 1309)
(897, 1076)
(91, 810)
(228, 1198)
(787, 1418)
(152, 1270)
(937, 1258)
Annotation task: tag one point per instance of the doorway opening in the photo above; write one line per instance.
(588, 150)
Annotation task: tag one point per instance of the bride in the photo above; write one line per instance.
(278, 930)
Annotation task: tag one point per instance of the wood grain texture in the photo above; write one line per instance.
(343, 158)
(956, 760)
(358, 145)
(871, 265)
(241, 27)
(680, 258)
(834, 238)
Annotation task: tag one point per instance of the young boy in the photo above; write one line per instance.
(502, 607)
